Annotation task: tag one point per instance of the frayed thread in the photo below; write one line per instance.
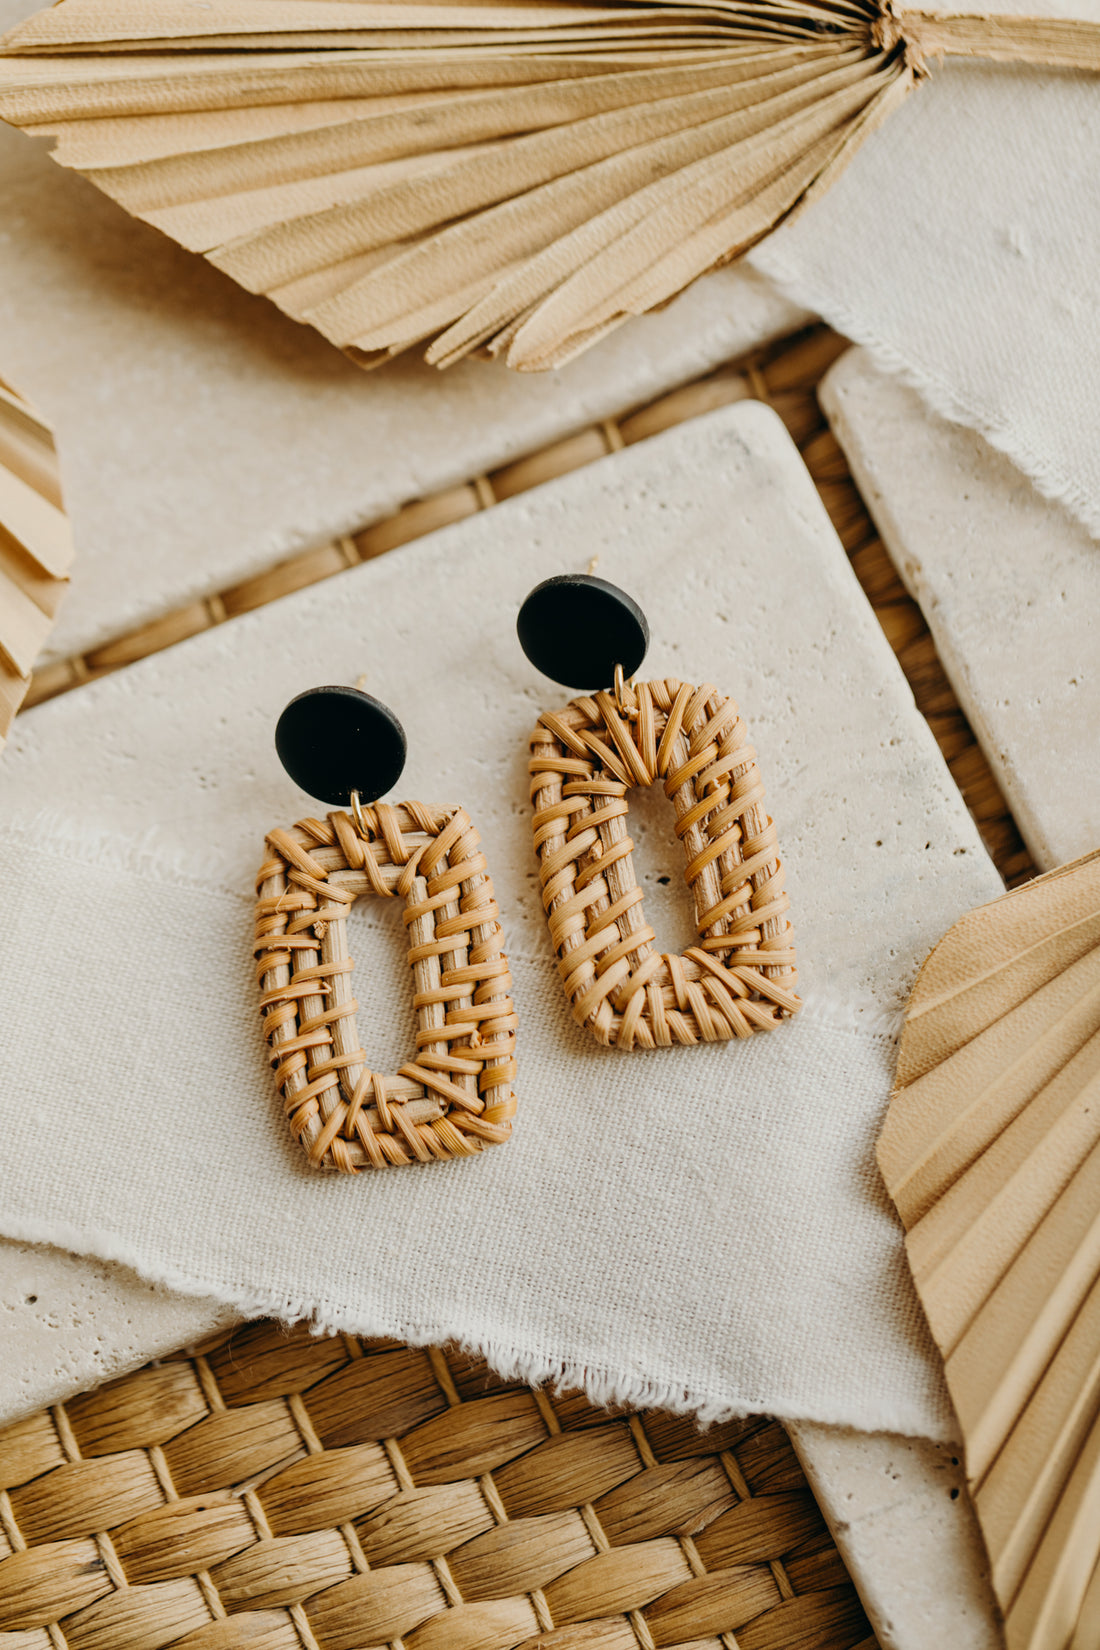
(603, 1387)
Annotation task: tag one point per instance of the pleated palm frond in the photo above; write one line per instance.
(36, 546)
(991, 1152)
(516, 178)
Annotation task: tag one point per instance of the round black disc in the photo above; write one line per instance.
(576, 629)
(335, 740)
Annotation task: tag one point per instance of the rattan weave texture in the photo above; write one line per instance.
(455, 1096)
(281, 1491)
(740, 977)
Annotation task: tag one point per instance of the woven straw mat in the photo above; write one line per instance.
(278, 1491)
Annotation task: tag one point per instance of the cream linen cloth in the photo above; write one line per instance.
(698, 1228)
(962, 247)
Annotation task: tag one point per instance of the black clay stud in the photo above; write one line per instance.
(334, 741)
(576, 628)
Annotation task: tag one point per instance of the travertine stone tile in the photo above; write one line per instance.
(69, 1322)
(1010, 588)
(903, 1523)
(718, 529)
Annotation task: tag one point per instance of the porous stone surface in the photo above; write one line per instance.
(1009, 585)
(205, 437)
(70, 1322)
(903, 1522)
(960, 246)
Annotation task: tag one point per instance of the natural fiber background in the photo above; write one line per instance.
(279, 1492)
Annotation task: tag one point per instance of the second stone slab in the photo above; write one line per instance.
(1009, 585)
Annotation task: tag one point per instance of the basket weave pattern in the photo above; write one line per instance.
(455, 1097)
(740, 977)
(287, 1492)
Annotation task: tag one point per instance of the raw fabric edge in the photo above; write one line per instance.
(602, 1386)
(940, 398)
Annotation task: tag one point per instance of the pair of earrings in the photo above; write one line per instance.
(456, 1096)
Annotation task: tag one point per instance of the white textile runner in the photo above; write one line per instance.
(703, 1228)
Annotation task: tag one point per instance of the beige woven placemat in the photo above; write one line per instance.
(276, 1491)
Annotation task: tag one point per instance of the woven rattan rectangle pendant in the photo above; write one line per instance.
(740, 977)
(455, 1096)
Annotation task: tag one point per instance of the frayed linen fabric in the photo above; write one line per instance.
(602, 1252)
(961, 248)
(698, 1228)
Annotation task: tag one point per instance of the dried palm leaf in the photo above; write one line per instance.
(36, 547)
(991, 1151)
(512, 178)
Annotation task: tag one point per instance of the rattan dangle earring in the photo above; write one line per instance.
(455, 1096)
(740, 976)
